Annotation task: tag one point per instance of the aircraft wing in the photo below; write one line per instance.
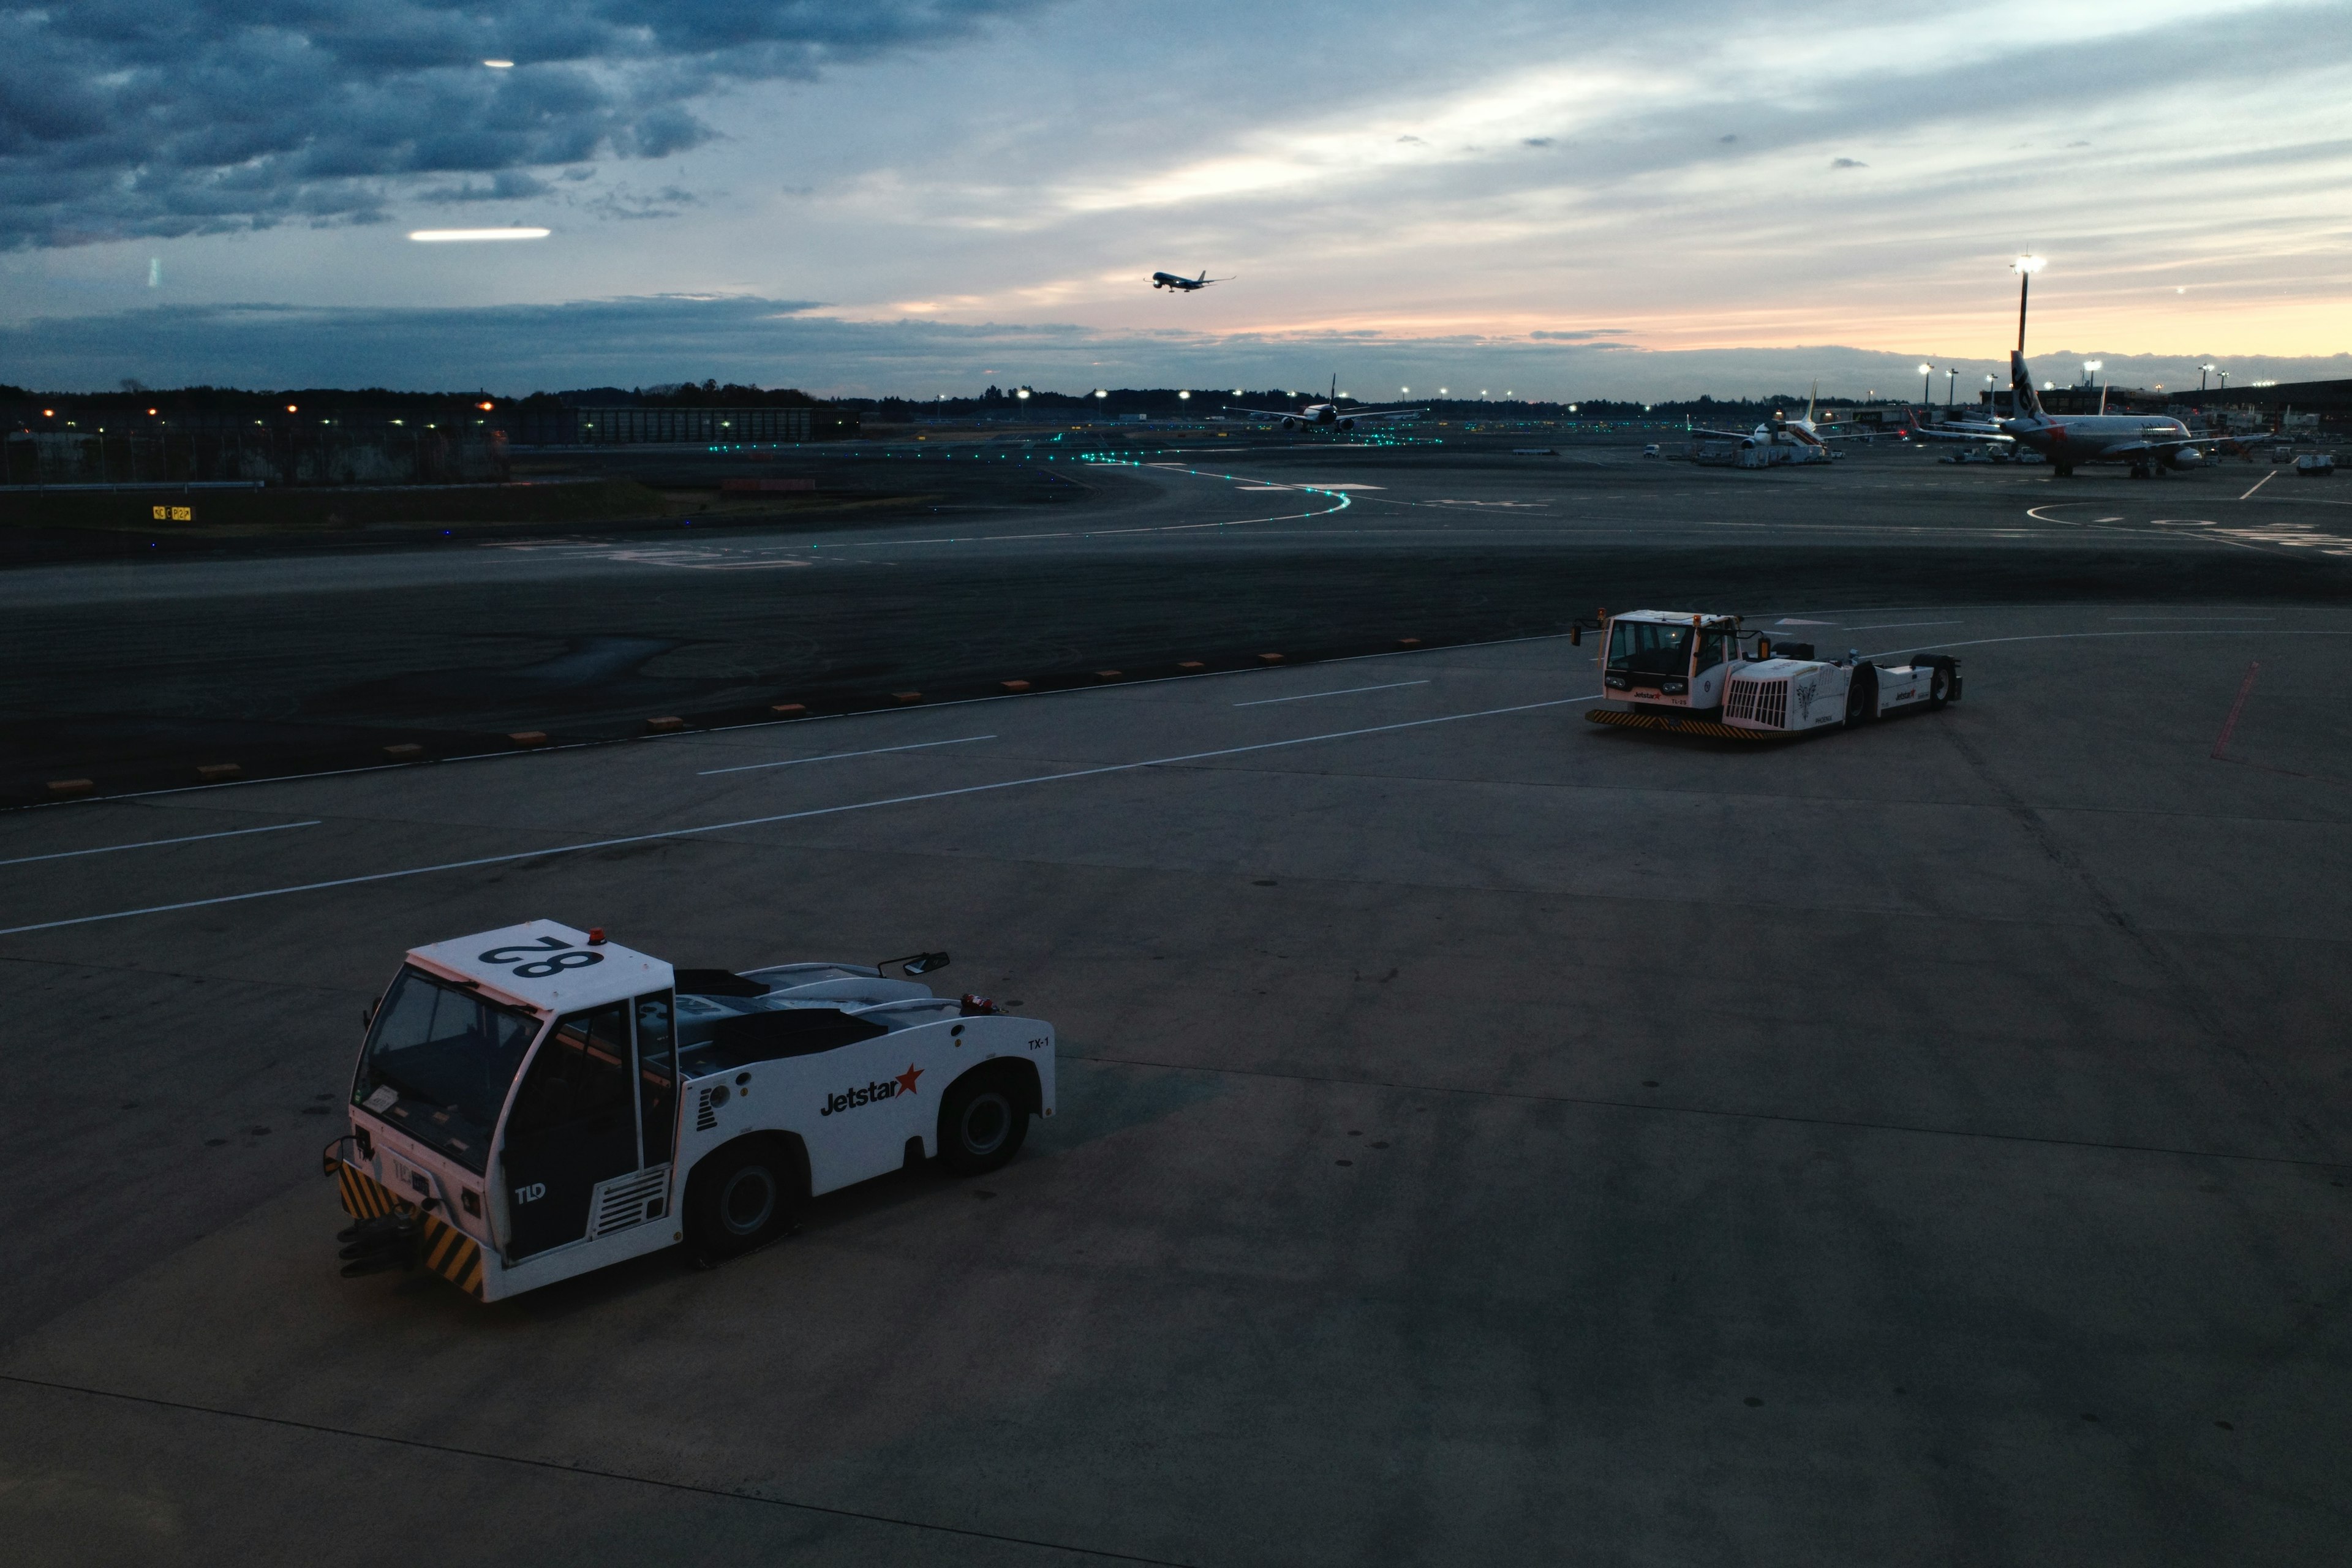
(1381, 412)
(1727, 435)
(1262, 413)
(1974, 435)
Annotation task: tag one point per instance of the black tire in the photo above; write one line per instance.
(983, 1122)
(740, 1199)
(1939, 686)
(1857, 705)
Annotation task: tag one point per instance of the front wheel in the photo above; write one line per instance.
(983, 1124)
(1857, 705)
(1939, 687)
(739, 1199)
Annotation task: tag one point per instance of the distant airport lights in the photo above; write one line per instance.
(1926, 373)
(1184, 396)
(444, 236)
(499, 65)
(1022, 393)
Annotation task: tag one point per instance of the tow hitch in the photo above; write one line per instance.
(386, 1241)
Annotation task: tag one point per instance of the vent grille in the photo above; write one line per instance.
(706, 1115)
(630, 1200)
(1757, 701)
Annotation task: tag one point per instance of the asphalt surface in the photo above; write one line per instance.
(135, 675)
(1484, 1136)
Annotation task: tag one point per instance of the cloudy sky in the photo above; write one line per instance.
(924, 196)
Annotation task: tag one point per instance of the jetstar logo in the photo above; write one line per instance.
(884, 1088)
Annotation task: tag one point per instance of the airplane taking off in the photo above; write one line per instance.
(2151, 443)
(1170, 280)
(1330, 416)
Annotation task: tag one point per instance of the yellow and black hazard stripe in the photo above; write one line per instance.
(444, 1248)
(1682, 726)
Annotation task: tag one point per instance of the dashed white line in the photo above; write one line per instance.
(1343, 691)
(837, 756)
(157, 843)
(511, 856)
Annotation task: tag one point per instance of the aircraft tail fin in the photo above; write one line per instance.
(1811, 398)
(2020, 387)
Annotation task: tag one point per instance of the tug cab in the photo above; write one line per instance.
(1670, 660)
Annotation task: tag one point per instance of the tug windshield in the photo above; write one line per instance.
(438, 1062)
(1650, 648)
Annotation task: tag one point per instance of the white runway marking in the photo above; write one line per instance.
(1897, 626)
(157, 843)
(2193, 617)
(1344, 691)
(2259, 484)
(780, 816)
(837, 756)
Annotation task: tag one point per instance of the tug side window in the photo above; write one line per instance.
(656, 1073)
(1710, 652)
(581, 1071)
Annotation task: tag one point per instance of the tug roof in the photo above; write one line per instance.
(545, 966)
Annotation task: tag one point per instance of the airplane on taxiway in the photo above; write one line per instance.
(1329, 415)
(1803, 434)
(1181, 285)
(2151, 443)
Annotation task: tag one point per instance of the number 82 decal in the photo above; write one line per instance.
(550, 955)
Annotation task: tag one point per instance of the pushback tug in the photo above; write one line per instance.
(534, 1102)
(1676, 670)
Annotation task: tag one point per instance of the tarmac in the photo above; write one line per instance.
(1484, 1136)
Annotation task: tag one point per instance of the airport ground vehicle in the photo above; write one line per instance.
(534, 1102)
(1676, 670)
(2316, 466)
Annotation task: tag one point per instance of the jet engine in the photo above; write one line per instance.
(2186, 457)
(1347, 425)
(1290, 424)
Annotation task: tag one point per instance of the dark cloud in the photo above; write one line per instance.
(150, 117)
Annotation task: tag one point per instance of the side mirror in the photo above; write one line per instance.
(924, 963)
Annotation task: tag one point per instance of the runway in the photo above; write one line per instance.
(1484, 1135)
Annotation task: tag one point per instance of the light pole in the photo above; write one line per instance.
(2091, 368)
(2203, 371)
(2025, 268)
(1951, 378)
(1990, 380)
(2224, 376)
(1926, 375)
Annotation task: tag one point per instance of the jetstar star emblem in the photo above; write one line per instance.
(868, 1094)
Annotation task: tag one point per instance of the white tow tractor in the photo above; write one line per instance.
(1675, 670)
(534, 1102)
